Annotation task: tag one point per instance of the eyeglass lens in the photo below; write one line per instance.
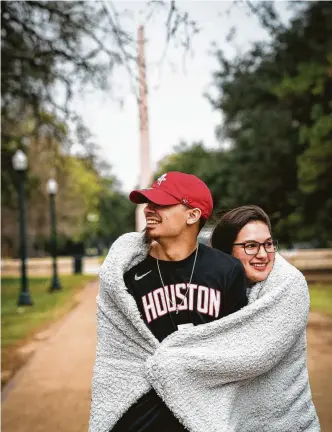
(253, 248)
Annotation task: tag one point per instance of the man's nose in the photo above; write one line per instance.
(150, 207)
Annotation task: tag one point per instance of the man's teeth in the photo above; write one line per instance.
(152, 222)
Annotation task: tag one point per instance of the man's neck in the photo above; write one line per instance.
(173, 250)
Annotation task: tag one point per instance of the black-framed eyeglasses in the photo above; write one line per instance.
(253, 247)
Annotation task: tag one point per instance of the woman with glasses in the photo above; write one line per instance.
(271, 340)
(245, 233)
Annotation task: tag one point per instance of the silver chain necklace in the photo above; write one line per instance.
(191, 276)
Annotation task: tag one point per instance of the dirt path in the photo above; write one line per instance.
(52, 392)
(320, 367)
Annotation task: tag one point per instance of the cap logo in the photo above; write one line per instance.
(161, 179)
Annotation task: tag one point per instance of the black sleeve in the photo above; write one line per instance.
(128, 280)
(236, 296)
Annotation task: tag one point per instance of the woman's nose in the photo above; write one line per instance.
(261, 251)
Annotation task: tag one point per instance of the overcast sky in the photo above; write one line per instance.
(177, 107)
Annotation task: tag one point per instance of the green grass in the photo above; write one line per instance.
(19, 323)
(321, 298)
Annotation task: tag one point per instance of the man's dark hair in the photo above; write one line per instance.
(231, 223)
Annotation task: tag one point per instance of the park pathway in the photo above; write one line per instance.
(52, 392)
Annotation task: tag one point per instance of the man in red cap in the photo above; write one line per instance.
(181, 283)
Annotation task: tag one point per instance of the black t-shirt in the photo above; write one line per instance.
(218, 288)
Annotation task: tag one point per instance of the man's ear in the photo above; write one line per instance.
(194, 215)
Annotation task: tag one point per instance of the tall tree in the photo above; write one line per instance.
(276, 106)
(306, 90)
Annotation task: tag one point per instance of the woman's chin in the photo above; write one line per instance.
(256, 276)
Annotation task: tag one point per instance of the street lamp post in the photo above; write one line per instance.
(20, 164)
(52, 188)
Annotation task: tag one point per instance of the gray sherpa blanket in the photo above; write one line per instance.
(246, 372)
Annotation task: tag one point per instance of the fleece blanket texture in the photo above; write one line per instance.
(246, 372)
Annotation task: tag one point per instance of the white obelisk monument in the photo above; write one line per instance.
(145, 168)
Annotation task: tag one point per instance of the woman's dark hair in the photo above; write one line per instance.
(231, 223)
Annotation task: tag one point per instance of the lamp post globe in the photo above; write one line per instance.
(52, 189)
(20, 164)
(52, 186)
(20, 161)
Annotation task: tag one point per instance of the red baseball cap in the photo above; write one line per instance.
(177, 188)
